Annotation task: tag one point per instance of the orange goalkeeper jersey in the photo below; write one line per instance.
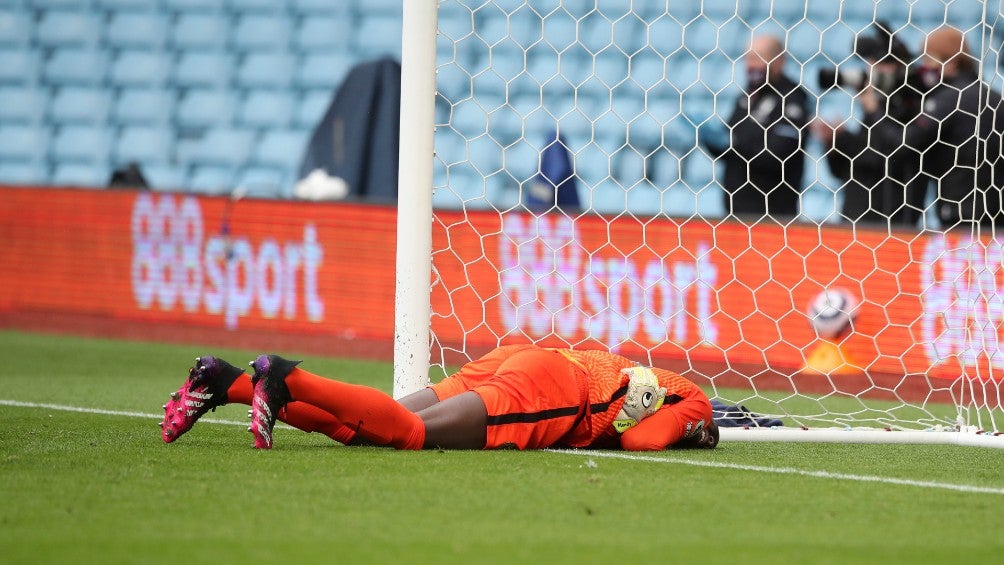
(607, 386)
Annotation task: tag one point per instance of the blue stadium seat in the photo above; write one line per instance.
(66, 29)
(378, 36)
(312, 106)
(200, 31)
(144, 145)
(267, 109)
(141, 68)
(82, 175)
(204, 108)
(82, 144)
(128, 30)
(322, 33)
(181, 6)
(264, 182)
(144, 106)
(166, 177)
(200, 69)
(128, 5)
(224, 147)
(23, 173)
(327, 7)
(22, 104)
(665, 35)
(77, 67)
(15, 28)
(257, 32)
(323, 70)
(927, 14)
(212, 180)
(281, 148)
(647, 71)
(80, 105)
(266, 70)
(23, 143)
(19, 66)
(44, 5)
(256, 6)
(560, 30)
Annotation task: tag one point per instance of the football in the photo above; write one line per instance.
(832, 311)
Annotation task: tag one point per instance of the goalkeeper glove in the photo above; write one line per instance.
(643, 398)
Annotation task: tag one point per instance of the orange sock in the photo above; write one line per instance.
(370, 412)
(297, 414)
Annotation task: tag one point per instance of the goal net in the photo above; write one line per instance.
(579, 200)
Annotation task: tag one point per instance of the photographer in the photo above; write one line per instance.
(958, 134)
(880, 174)
(764, 160)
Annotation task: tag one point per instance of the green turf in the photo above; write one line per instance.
(104, 488)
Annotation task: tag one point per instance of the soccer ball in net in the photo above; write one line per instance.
(832, 312)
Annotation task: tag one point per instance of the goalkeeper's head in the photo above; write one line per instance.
(707, 439)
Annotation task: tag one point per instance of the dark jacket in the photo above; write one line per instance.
(880, 174)
(958, 138)
(764, 161)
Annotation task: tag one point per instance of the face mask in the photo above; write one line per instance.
(930, 76)
(755, 78)
(886, 82)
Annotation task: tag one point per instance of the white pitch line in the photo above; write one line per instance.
(103, 412)
(588, 453)
(784, 471)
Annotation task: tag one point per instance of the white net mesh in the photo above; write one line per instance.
(583, 198)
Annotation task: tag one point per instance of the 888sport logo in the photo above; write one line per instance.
(176, 267)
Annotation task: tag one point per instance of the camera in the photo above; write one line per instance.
(903, 87)
(881, 46)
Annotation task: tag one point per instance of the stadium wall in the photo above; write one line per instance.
(700, 294)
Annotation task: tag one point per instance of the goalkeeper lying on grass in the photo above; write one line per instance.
(516, 396)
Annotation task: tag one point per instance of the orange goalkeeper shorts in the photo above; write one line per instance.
(534, 396)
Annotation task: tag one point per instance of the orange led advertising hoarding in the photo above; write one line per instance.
(722, 293)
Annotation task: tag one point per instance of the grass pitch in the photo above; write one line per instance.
(102, 487)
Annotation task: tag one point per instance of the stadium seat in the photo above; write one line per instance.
(323, 70)
(281, 149)
(312, 106)
(262, 33)
(45, 5)
(143, 106)
(68, 29)
(322, 33)
(205, 108)
(327, 7)
(22, 104)
(141, 69)
(267, 109)
(224, 147)
(376, 35)
(19, 66)
(23, 144)
(80, 105)
(144, 145)
(181, 6)
(266, 70)
(22, 173)
(200, 31)
(15, 28)
(82, 144)
(76, 67)
(211, 180)
(127, 5)
(82, 175)
(200, 69)
(165, 177)
(137, 30)
(264, 182)
(665, 35)
(255, 6)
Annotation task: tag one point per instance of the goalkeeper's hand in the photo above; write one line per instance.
(643, 398)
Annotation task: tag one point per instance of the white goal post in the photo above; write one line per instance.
(842, 332)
